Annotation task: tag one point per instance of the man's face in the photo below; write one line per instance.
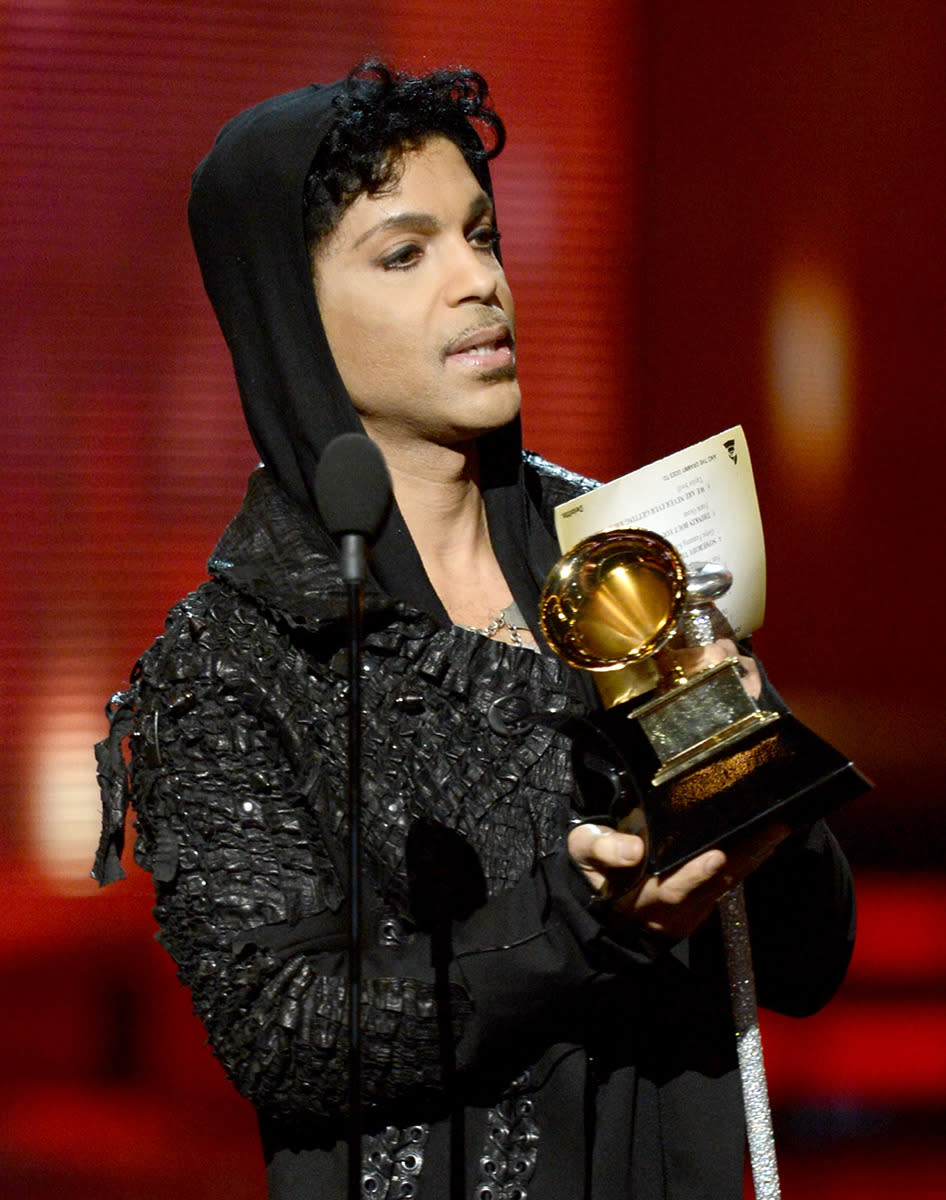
(416, 307)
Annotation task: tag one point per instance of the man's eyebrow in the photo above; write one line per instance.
(424, 222)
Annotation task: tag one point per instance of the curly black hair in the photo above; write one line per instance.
(380, 114)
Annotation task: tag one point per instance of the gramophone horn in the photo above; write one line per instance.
(613, 599)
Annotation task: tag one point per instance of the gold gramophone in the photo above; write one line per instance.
(688, 762)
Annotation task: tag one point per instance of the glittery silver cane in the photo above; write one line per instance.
(706, 583)
(755, 1092)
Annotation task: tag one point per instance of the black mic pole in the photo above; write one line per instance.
(353, 550)
(353, 493)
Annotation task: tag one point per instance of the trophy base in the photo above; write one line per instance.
(781, 771)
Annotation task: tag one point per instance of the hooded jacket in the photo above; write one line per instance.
(246, 219)
(512, 1045)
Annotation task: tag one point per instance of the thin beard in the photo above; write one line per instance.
(498, 374)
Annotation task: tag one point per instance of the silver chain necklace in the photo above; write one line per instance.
(510, 618)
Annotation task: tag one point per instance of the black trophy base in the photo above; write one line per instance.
(779, 772)
(782, 772)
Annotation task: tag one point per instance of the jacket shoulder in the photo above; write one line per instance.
(549, 484)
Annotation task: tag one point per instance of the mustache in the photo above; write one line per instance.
(494, 323)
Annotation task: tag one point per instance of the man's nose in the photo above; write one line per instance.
(473, 274)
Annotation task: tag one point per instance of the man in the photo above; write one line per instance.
(519, 1039)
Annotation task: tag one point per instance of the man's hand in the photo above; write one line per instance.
(697, 658)
(673, 905)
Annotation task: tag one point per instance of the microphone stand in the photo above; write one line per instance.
(353, 495)
(353, 567)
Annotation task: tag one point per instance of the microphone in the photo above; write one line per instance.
(353, 494)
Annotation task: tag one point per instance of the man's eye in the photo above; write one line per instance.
(401, 258)
(486, 238)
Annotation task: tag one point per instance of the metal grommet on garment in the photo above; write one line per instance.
(389, 932)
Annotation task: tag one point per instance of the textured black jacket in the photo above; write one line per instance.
(495, 1003)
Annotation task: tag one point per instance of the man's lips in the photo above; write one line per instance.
(491, 340)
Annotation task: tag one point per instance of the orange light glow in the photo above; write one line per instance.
(810, 355)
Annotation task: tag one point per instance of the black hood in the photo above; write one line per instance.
(246, 219)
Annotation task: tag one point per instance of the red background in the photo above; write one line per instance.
(674, 172)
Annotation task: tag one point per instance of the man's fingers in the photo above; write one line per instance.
(743, 859)
(694, 659)
(679, 885)
(676, 903)
(716, 871)
(603, 849)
